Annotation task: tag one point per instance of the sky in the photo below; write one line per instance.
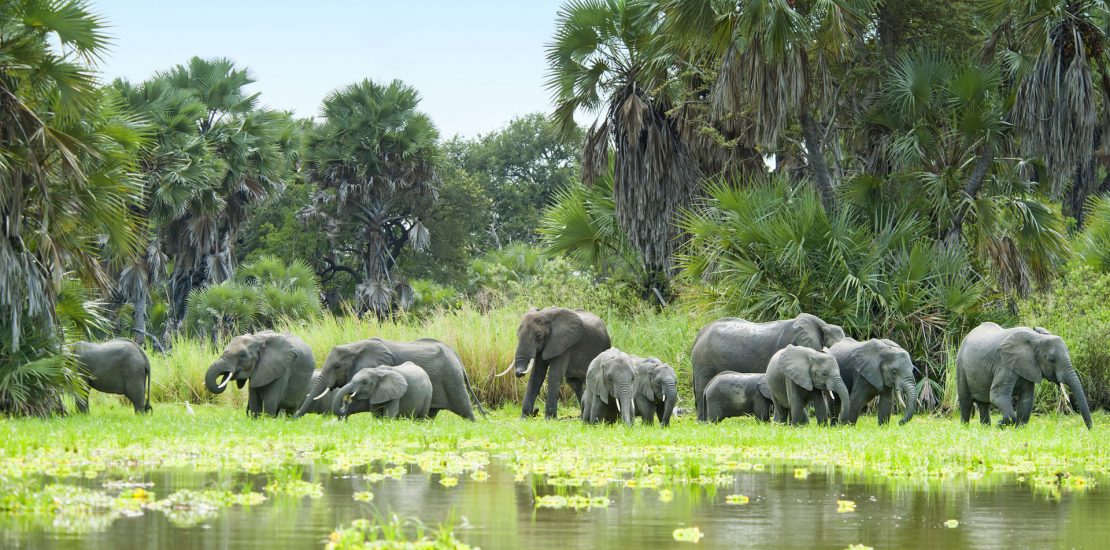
(476, 63)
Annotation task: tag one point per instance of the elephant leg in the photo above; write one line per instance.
(433, 412)
(254, 403)
(699, 397)
(781, 413)
(555, 372)
(795, 398)
(820, 410)
(136, 394)
(535, 382)
(1002, 396)
(761, 411)
(576, 385)
(660, 409)
(392, 409)
(856, 401)
(886, 402)
(1025, 403)
(984, 412)
(964, 395)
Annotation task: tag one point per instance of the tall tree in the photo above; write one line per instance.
(66, 186)
(373, 161)
(607, 59)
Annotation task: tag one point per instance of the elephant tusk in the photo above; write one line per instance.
(618, 404)
(506, 371)
(325, 392)
(901, 400)
(226, 380)
(664, 397)
(531, 362)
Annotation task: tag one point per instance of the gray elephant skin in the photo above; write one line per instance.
(875, 368)
(654, 390)
(556, 344)
(607, 396)
(797, 376)
(277, 366)
(117, 366)
(732, 394)
(450, 385)
(736, 345)
(995, 365)
(388, 391)
(324, 405)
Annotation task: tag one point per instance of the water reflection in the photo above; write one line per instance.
(784, 511)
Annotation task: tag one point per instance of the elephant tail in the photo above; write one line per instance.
(473, 394)
(147, 407)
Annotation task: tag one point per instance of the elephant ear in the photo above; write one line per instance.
(274, 361)
(643, 383)
(373, 355)
(1017, 354)
(764, 389)
(566, 330)
(391, 385)
(595, 377)
(799, 369)
(806, 332)
(868, 361)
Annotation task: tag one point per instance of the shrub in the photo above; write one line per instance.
(1093, 245)
(770, 252)
(1075, 309)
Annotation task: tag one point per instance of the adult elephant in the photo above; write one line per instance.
(874, 368)
(732, 344)
(996, 364)
(450, 384)
(277, 366)
(556, 344)
(798, 376)
(117, 366)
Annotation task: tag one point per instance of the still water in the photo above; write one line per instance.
(785, 511)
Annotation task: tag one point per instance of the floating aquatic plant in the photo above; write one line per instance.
(688, 534)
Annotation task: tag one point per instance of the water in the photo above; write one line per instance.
(784, 512)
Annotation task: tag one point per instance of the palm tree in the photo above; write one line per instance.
(66, 186)
(607, 59)
(775, 66)
(373, 162)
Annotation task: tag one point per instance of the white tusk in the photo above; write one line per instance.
(664, 398)
(226, 380)
(506, 371)
(530, 363)
(326, 390)
(618, 404)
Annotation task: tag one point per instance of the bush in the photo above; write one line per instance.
(770, 252)
(1075, 309)
(1093, 245)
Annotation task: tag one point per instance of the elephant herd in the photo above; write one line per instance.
(775, 370)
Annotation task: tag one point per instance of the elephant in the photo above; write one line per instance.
(117, 366)
(654, 392)
(732, 394)
(797, 375)
(996, 364)
(607, 395)
(450, 384)
(556, 344)
(732, 344)
(403, 390)
(278, 367)
(874, 368)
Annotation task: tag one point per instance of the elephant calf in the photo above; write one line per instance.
(403, 390)
(796, 376)
(874, 368)
(608, 392)
(655, 395)
(117, 366)
(732, 394)
(996, 364)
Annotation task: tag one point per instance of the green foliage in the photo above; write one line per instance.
(1075, 310)
(770, 252)
(262, 294)
(1093, 244)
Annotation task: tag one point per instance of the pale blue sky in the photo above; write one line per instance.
(477, 64)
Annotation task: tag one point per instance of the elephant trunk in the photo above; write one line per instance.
(627, 408)
(1071, 379)
(842, 394)
(339, 405)
(670, 398)
(321, 384)
(523, 361)
(212, 376)
(909, 389)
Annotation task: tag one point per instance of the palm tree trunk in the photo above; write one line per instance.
(138, 332)
(971, 191)
(815, 158)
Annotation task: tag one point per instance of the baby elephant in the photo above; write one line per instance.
(654, 386)
(995, 365)
(117, 366)
(403, 390)
(608, 393)
(874, 368)
(796, 376)
(735, 394)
